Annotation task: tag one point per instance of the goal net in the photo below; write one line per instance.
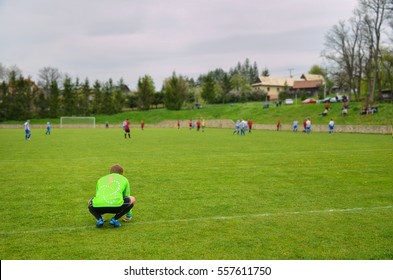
(73, 122)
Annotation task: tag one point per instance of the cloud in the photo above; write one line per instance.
(117, 39)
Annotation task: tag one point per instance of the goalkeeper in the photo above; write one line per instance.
(112, 196)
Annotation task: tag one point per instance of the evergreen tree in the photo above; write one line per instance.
(97, 98)
(209, 89)
(54, 100)
(145, 92)
(84, 98)
(108, 106)
(69, 97)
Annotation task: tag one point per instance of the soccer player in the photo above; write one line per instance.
(27, 130)
(308, 125)
(249, 126)
(203, 125)
(295, 125)
(331, 126)
(112, 196)
(126, 127)
(47, 128)
(198, 124)
(237, 128)
(142, 125)
(243, 127)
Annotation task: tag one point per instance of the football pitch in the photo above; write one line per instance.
(200, 196)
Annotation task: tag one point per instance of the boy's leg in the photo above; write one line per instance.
(124, 209)
(93, 211)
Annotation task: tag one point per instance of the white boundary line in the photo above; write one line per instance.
(210, 219)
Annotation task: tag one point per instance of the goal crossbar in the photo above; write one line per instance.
(73, 122)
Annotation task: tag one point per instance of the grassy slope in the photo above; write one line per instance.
(254, 111)
(183, 179)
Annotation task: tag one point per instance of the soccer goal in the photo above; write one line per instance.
(73, 122)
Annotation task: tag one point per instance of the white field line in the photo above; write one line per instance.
(248, 216)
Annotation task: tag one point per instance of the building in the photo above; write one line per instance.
(274, 85)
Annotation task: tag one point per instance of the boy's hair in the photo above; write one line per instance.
(116, 169)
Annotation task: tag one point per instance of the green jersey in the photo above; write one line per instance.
(110, 191)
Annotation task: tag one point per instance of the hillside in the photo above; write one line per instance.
(285, 113)
(254, 110)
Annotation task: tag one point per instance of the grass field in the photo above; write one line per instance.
(211, 195)
(251, 110)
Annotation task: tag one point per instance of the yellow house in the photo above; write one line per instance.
(274, 85)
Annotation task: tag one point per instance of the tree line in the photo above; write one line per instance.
(360, 50)
(55, 95)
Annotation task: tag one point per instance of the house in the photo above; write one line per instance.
(274, 85)
(310, 87)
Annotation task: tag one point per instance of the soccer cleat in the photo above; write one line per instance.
(100, 223)
(115, 223)
(127, 218)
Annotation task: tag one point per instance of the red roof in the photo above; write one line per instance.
(307, 84)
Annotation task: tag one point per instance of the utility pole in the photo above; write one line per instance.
(290, 72)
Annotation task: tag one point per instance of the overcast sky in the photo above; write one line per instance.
(127, 39)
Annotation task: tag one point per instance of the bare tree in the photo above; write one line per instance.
(340, 48)
(376, 12)
(47, 76)
(3, 71)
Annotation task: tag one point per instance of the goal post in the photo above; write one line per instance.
(75, 122)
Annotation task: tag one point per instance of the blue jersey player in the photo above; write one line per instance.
(27, 130)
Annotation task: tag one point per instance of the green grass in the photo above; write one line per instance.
(254, 111)
(209, 195)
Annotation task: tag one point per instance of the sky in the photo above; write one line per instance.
(102, 39)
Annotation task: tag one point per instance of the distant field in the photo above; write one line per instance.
(211, 195)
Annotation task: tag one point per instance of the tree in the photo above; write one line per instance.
(209, 88)
(265, 72)
(107, 102)
(54, 100)
(175, 92)
(241, 86)
(97, 98)
(47, 75)
(340, 48)
(145, 92)
(386, 73)
(119, 96)
(225, 89)
(84, 98)
(69, 97)
(376, 12)
(3, 72)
